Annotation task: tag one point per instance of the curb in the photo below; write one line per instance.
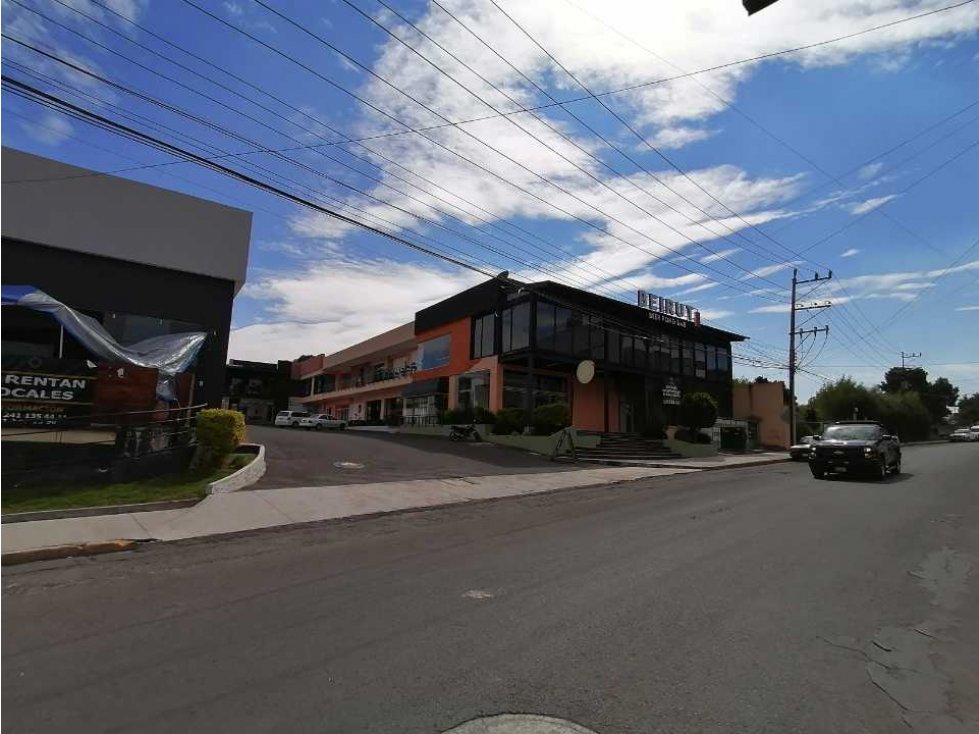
(65, 551)
(244, 477)
(98, 510)
(745, 465)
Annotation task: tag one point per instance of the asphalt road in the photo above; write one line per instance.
(751, 600)
(299, 458)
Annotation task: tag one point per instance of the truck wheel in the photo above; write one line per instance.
(817, 471)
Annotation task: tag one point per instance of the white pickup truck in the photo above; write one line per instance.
(322, 420)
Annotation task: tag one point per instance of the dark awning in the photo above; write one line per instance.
(437, 386)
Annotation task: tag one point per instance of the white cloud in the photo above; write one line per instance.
(721, 255)
(698, 288)
(967, 308)
(52, 129)
(774, 308)
(869, 205)
(870, 171)
(677, 137)
(338, 302)
(767, 270)
(850, 253)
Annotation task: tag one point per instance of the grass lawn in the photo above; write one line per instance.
(189, 485)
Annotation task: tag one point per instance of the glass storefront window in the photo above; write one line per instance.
(434, 352)
(547, 389)
(674, 354)
(484, 336)
(474, 390)
(563, 330)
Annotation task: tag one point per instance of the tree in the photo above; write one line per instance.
(941, 395)
(844, 400)
(904, 379)
(969, 410)
(697, 410)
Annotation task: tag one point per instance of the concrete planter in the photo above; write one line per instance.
(543, 444)
(691, 450)
(244, 477)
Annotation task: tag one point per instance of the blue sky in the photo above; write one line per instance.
(709, 189)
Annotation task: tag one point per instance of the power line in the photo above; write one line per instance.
(664, 80)
(561, 256)
(442, 146)
(611, 144)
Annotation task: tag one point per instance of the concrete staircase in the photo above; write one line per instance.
(626, 447)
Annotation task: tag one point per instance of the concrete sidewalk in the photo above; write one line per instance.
(250, 510)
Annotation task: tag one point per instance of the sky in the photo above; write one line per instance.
(610, 145)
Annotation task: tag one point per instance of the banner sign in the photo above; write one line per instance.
(665, 307)
(671, 393)
(41, 391)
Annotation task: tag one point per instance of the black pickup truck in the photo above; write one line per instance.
(855, 447)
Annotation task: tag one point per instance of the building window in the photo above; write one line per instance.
(589, 336)
(547, 389)
(674, 354)
(474, 390)
(659, 354)
(372, 413)
(687, 358)
(516, 327)
(712, 373)
(545, 326)
(434, 352)
(700, 361)
(614, 346)
(723, 364)
(484, 336)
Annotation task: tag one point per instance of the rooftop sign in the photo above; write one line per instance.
(665, 307)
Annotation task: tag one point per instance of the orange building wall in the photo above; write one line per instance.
(588, 405)
(460, 362)
(764, 402)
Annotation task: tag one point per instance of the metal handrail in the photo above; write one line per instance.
(79, 418)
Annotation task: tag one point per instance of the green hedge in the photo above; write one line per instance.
(551, 418)
(218, 434)
(510, 420)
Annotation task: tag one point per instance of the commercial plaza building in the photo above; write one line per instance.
(142, 261)
(504, 344)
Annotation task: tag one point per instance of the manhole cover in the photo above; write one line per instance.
(519, 724)
(347, 465)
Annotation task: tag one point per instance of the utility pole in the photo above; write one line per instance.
(905, 357)
(793, 333)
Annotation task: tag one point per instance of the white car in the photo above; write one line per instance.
(290, 418)
(322, 420)
(965, 434)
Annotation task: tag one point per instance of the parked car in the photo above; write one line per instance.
(965, 434)
(322, 420)
(856, 447)
(290, 418)
(800, 451)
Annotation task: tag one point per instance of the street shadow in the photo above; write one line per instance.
(855, 479)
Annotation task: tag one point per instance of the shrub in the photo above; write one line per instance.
(550, 418)
(459, 415)
(697, 410)
(218, 434)
(482, 415)
(510, 420)
(685, 434)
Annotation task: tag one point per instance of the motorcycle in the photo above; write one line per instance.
(464, 433)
